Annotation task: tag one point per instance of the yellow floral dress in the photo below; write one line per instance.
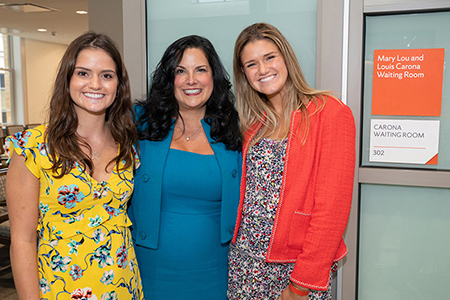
(85, 249)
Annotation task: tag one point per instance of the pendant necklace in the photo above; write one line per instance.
(96, 154)
(189, 137)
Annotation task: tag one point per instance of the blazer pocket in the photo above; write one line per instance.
(299, 228)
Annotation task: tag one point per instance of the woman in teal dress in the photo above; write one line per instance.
(187, 188)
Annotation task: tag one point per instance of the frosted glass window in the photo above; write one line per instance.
(394, 2)
(3, 58)
(404, 243)
(407, 31)
(222, 21)
(5, 80)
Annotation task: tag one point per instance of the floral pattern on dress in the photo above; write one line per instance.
(69, 196)
(250, 276)
(85, 250)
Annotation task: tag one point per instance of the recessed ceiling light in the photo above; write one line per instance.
(27, 7)
(42, 30)
(81, 12)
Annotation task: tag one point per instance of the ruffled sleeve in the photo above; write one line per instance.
(30, 144)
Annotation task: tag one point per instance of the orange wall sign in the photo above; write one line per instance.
(408, 82)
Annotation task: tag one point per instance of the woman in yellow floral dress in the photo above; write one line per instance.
(69, 182)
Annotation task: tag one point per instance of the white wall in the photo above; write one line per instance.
(125, 24)
(41, 60)
(105, 16)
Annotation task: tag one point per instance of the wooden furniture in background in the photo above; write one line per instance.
(5, 234)
(2, 140)
(12, 129)
(29, 126)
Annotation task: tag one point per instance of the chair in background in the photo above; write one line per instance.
(2, 140)
(13, 129)
(29, 126)
(5, 234)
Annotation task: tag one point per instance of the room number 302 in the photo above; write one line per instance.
(378, 152)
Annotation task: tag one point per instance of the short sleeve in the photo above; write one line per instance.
(30, 144)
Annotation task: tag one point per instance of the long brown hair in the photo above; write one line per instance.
(63, 142)
(253, 107)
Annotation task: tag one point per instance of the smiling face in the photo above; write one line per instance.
(93, 84)
(193, 80)
(265, 69)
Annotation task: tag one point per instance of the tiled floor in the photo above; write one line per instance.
(7, 290)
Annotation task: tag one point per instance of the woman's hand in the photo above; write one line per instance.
(287, 294)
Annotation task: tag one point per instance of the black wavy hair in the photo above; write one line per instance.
(160, 106)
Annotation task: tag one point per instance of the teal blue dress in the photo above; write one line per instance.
(190, 261)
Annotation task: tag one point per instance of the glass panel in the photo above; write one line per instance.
(5, 96)
(407, 31)
(5, 81)
(4, 63)
(404, 243)
(390, 2)
(2, 52)
(222, 21)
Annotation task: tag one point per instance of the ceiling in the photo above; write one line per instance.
(63, 25)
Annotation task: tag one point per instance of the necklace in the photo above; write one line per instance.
(188, 137)
(94, 153)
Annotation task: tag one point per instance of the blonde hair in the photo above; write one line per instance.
(254, 106)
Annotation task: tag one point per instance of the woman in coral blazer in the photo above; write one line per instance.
(297, 181)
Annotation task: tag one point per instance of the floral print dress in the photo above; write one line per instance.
(85, 249)
(250, 276)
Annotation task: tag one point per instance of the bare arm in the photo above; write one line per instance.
(22, 197)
